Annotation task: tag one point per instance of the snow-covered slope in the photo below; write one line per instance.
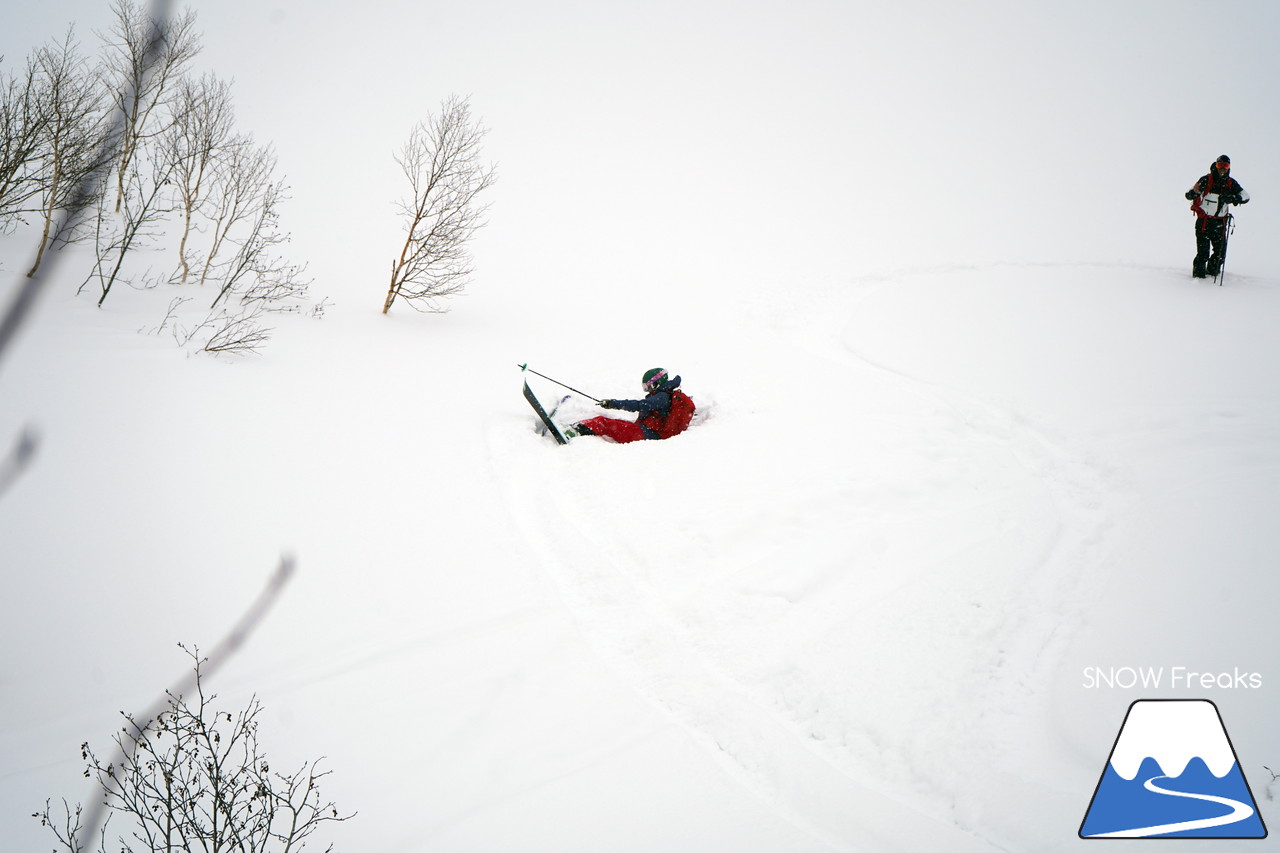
(849, 610)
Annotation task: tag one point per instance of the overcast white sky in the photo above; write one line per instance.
(760, 139)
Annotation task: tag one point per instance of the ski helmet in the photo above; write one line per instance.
(653, 378)
(1224, 159)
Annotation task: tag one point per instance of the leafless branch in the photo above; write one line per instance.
(22, 125)
(237, 332)
(142, 70)
(196, 148)
(145, 207)
(227, 647)
(70, 139)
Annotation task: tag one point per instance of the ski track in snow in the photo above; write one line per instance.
(1086, 499)
(633, 632)
(771, 732)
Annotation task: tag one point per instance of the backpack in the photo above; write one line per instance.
(1211, 197)
(677, 418)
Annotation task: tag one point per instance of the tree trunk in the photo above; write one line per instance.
(182, 245)
(391, 297)
(392, 290)
(49, 211)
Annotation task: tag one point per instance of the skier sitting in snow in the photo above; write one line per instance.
(665, 411)
(1209, 199)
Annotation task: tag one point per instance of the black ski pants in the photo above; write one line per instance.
(1211, 246)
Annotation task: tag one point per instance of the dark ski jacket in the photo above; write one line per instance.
(654, 409)
(1211, 194)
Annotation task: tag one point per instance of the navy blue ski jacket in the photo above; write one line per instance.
(655, 402)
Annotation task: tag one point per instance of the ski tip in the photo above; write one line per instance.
(523, 366)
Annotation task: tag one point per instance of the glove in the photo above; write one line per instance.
(606, 404)
(1191, 195)
(1231, 198)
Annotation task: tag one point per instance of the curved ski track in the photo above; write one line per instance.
(633, 629)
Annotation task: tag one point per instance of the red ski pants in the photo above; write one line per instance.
(612, 428)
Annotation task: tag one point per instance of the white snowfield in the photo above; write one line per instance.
(847, 611)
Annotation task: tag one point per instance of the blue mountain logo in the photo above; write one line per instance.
(1173, 773)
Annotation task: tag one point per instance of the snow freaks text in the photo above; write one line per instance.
(1171, 677)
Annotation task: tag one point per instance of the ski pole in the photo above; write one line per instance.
(558, 382)
(1226, 238)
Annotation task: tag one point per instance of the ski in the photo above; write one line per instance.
(542, 413)
(542, 427)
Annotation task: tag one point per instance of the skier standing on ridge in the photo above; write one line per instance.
(665, 411)
(1209, 200)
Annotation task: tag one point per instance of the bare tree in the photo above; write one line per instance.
(196, 778)
(168, 170)
(21, 126)
(71, 128)
(145, 208)
(245, 178)
(245, 220)
(196, 147)
(255, 272)
(144, 84)
(442, 162)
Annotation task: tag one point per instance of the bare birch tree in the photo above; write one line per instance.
(442, 162)
(244, 179)
(197, 147)
(254, 281)
(71, 128)
(21, 125)
(143, 86)
(255, 272)
(244, 231)
(239, 209)
(145, 207)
